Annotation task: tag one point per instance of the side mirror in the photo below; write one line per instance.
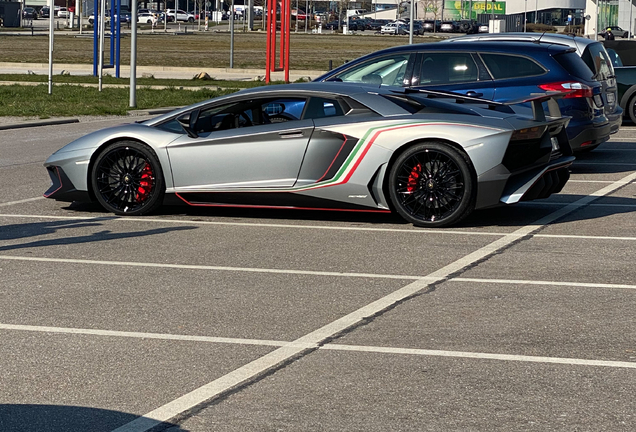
(188, 121)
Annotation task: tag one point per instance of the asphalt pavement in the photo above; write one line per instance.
(519, 319)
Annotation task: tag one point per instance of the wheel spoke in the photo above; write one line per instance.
(430, 185)
(125, 179)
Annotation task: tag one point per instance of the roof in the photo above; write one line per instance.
(580, 43)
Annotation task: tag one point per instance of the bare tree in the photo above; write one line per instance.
(433, 7)
(343, 5)
(200, 4)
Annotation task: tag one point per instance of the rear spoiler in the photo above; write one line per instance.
(535, 99)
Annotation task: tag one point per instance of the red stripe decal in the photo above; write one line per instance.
(334, 159)
(279, 207)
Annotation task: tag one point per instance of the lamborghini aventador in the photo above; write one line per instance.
(432, 157)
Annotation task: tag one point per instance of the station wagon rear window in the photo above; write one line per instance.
(503, 66)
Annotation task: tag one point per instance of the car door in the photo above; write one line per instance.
(253, 143)
(460, 72)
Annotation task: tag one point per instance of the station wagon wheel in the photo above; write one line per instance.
(127, 180)
(432, 185)
(631, 109)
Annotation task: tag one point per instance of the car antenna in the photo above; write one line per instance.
(542, 34)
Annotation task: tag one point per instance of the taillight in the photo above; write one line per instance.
(528, 133)
(574, 89)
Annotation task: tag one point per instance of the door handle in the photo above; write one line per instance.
(291, 134)
(474, 94)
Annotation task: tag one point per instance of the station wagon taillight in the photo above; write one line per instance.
(573, 88)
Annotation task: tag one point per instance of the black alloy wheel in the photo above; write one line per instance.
(127, 179)
(432, 185)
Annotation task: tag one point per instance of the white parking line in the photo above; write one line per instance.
(328, 346)
(286, 353)
(481, 356)
(589, 181)
(553, 203)
(215, 268)
(579, 162)
(5, 204)
(545, 283)
(254, 224)
(417, 231)
(141, 335)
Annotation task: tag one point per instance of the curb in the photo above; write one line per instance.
(152, 111)
(36, 123)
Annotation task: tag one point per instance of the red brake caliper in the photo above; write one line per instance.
(413, 178)
(145, 185)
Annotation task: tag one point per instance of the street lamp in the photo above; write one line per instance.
(631, 21)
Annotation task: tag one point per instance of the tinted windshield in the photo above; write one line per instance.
(598, 61)
(388, 70)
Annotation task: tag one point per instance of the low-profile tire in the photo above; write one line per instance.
(432, 185)
(631, 109)
(127, 179)
(190, 20)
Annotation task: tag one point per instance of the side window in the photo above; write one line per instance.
(596, 59)
(281, 109)
(320, 108)
(503, 66)
(614, 57)
(447, 68)
(388, 70)
(218, 118)
(253, 112)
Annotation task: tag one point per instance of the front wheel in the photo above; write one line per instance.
(127, 179)
(432, 185)
(190, 20)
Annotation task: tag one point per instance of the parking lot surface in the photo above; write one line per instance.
(520, 318)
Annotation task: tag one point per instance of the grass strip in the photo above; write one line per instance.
(85, 79)
(204, 49)
(73, 100)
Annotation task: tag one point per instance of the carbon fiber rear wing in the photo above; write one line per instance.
(535, 99)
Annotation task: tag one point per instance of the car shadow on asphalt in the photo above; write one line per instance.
(64, 418)
(516, 215)
(529, 212)
(36, 229)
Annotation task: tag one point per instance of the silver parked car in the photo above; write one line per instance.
(432, 157)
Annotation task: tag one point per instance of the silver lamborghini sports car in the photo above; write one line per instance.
(432, 157)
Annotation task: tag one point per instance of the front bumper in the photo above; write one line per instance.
(62, 189)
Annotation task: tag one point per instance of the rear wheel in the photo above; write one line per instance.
(432, 185)
(127, 179)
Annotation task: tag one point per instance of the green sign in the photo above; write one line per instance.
(456, 10)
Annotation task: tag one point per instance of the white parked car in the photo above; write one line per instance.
(181, 15)
(63, 13)
(394, 28)
(146, 18)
